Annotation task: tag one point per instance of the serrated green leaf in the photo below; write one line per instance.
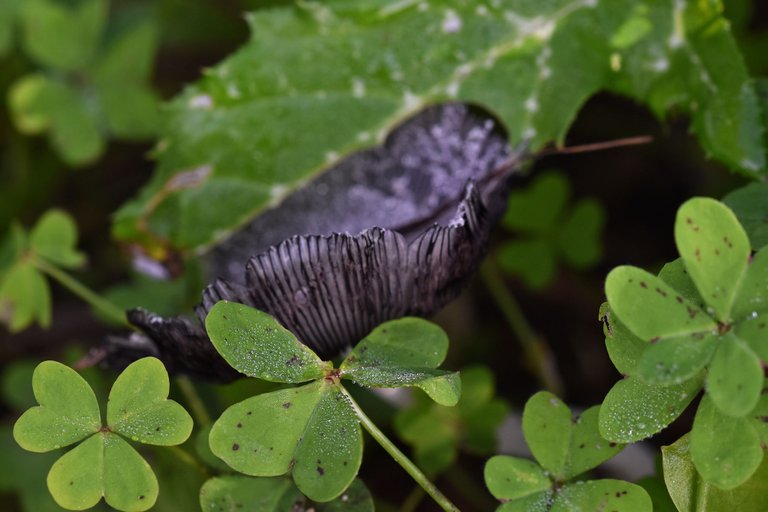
(62, 35)
(752, 299)
(331, 450)
(68, 411)
(725, 450)
(674, 360)
(54, 237)
(579, 236)
(532, 260)
(511, 478)
(602, 495)
(633, 410)
(248, 494)
(735, 378)
(750, 204)
(76, 479)
(537, 208)
(691, 493)
(715, 250)
(129, 483)
(24, 298)
(255, 344)
(650, 307)
(516, 59)
(139, 407)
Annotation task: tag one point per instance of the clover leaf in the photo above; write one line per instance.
(436, 432)
(564, 447)
(690, 492)
(81, 94)
(550, 231)
(104, 464)
(276, 494)
(750, 204)
(25, 296)
(698, 324)
(313, 430)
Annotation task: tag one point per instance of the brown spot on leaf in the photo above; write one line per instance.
(661, 292)
(287, 405)
(320, 470)
(235, 447)
(643, 285)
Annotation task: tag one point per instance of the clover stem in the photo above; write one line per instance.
(196, 405)
(413, 499)
(96, 301)
(188, 459)
(400, 457)
(537, 353)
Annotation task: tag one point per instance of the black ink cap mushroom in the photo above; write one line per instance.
(387, 232)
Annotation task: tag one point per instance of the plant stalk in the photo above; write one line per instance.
(537, 353)
(98, 302)
(196, 405)
(188, 459)
(401, 458)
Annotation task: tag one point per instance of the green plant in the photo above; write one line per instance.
(103, 464)
(564, 447)
(699, 324)
(318, 97)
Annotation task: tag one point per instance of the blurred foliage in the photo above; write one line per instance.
(549, 230)
(93, 76)
(437, 433)
(516, 59)
(24, 294)
(88, 75)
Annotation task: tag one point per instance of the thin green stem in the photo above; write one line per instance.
(196, 405)
(537, 353)
(412, 500)
(73, 285)
(188, 459)
(401, 458)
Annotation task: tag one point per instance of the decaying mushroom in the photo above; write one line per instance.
(390, 231)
